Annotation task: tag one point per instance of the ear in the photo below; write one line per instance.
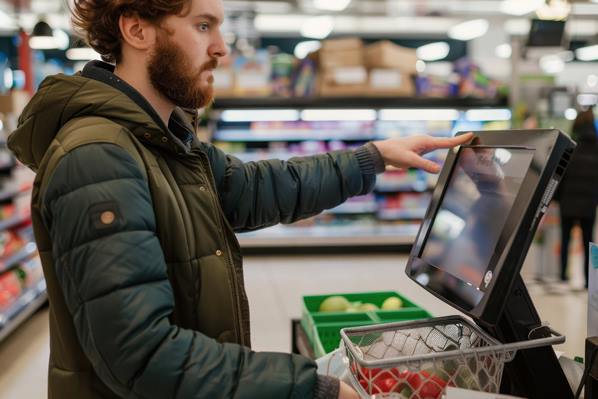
(137, 32)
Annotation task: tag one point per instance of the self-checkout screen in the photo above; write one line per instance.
(472, 215)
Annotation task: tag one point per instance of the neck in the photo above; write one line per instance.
(138, 78)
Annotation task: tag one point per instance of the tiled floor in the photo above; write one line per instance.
(275, 286)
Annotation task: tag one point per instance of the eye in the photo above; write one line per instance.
(203, 27)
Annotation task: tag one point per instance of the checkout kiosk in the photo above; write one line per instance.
(484, 212)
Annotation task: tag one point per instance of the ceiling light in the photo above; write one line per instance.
(503, 50)
(570, 114)
(433, 51)
(331, 5)
(82, 54)
(62, 39)
(520, 7)
(556, 10)
(304, 48)
(587, 100)
(6, 21)
(552, 64)
(42, 37)
(589, 53)
(317, 27)
(469, 30)
(8, 79)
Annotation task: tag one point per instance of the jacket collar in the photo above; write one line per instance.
(178, 126)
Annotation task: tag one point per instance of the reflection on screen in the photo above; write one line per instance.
(473, 212)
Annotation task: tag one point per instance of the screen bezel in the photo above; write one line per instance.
(443, 279)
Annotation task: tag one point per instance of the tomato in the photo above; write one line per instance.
(431, 387)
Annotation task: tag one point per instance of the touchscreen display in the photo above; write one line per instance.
(476, 204)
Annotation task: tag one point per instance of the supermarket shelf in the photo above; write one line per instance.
(13, 221)
(245, 135)
(30, 301)
(27, 251)
(330, 236)
(401, 189)
(354, 208)
(355, 102)
(401, 214)
(9, 194)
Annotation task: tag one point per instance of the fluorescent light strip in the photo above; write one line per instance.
(261, 115)
(418, 114)
(589, 53)
(482, 115)
(338, 115)
(82, 54)
(43, 43)
(469, 30)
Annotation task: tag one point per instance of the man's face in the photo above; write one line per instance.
(187, 49)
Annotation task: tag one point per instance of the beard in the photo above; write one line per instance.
(172, 75)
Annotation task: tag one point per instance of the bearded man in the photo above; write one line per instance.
(135, 218)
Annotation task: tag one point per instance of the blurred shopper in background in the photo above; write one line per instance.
(578, 191)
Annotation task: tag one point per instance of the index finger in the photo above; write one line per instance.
(450, 142)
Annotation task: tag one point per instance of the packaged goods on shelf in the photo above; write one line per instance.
(252, 74)
(10, 289)
(283, 67)
(386, 54)
(304, 79)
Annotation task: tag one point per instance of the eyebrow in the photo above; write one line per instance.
(212, 18)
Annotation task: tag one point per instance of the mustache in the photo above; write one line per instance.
(212, 64)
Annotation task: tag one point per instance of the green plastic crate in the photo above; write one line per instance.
(323, 328)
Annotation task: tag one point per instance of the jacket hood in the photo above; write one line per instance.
(61, 98)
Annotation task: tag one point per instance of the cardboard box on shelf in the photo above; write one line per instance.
(224, 82)
(390, 82)
(14, 101)
(348, 43)
(346, 81)
(386, 54)
(341, 58)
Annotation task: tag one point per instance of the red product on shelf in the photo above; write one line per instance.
(10, 289)
(10, 243)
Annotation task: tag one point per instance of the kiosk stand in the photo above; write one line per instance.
(484, 213)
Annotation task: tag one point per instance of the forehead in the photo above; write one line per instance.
(207, 8)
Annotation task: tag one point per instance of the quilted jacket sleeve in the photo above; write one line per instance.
(111, 269)
(260, 194)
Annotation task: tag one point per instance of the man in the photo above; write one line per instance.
(135, 218)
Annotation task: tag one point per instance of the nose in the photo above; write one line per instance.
(218, 48)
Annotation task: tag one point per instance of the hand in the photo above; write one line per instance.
(407, 152)
(346, 392)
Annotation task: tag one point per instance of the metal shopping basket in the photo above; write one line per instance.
(419, 359)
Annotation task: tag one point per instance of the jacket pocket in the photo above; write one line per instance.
(215, 310)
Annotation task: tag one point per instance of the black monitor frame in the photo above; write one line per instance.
(532, 200)
(506, 309)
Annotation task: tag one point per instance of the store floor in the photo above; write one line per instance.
(275, 286)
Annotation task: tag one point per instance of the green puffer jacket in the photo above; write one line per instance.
(135, 226)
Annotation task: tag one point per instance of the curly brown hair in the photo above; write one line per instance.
(97, 20)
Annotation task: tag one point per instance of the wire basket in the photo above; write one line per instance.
(419, 359)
